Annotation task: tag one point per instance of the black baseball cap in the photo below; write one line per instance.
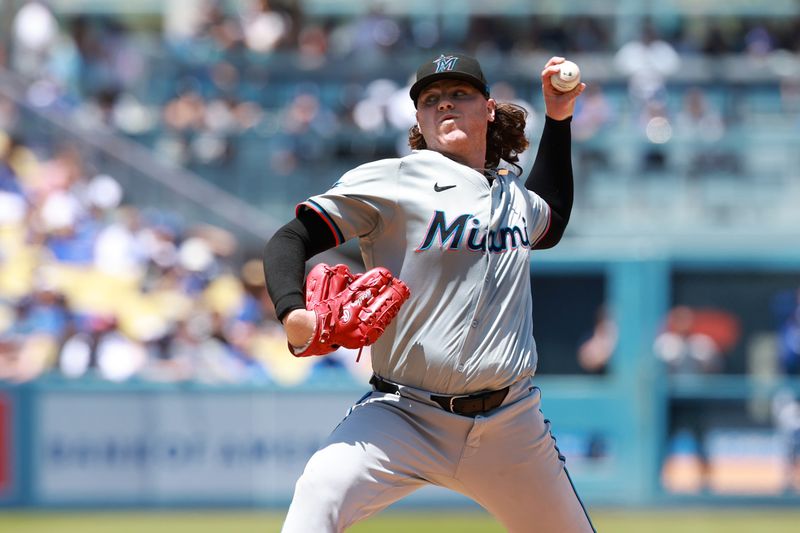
(450, 66)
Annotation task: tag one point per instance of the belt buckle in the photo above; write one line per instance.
(454, 398)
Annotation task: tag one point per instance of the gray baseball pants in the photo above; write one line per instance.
(389, 445)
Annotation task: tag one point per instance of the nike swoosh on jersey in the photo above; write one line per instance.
(442, 188)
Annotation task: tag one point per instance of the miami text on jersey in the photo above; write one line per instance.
(502, 240)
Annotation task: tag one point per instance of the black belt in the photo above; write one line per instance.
(465, 404)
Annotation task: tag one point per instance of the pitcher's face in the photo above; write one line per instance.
(453, 118)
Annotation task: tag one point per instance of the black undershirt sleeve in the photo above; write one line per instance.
(551, 177)
(285, 257)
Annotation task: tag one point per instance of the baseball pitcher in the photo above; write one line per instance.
(446, 235)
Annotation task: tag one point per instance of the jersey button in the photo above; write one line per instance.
(460, 367)
(474, 324)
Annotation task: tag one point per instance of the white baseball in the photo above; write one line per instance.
(567, 78)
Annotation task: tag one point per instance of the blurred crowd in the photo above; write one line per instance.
(198, 83)
(91, 286)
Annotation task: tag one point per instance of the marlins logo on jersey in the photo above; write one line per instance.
(478, 239)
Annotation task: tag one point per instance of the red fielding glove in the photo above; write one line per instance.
(353, 310)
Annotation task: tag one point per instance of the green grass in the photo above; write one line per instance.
(468, 521)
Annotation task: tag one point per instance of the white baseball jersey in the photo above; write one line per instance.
(461, 243)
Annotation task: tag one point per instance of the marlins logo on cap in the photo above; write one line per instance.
(445, 63)
(450, 66)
